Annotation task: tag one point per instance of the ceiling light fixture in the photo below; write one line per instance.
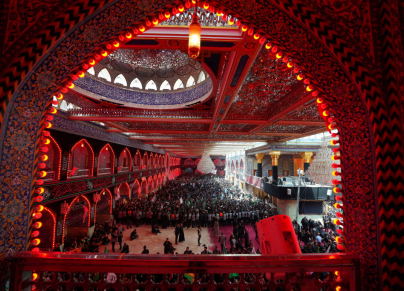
(194, 44)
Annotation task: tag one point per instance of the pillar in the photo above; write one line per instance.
(307, 159)
(259, 164)
(275, 156)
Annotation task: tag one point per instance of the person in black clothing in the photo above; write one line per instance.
(125, 249)
(182, 236)
(216, 251)
(177, 233)
(134, 235)
(120, 235)
(57, 248)
(205, 251)
(105, 240)
(199, 235)
(166, 245)
(145, 250)
(187, 251)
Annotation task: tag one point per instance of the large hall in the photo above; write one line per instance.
(201, 145)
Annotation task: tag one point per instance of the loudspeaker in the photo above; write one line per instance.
(289, 191)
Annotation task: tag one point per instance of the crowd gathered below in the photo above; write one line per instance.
(199, 201)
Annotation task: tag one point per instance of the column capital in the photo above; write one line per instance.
(306, 156)
(259, 157)
(275, 156)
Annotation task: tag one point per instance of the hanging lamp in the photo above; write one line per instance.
(194, 44)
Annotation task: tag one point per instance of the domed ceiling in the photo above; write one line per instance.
(239, 93)
(148, 79)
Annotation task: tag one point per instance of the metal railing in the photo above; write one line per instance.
(104, 171)
(92, 271)
(254, 180)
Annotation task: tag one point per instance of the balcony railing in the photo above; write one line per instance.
(104, 171)
(80, 173)
(90, 271)
(254, 180)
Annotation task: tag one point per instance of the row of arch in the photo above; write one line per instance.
(82, 161)
(150, 85)
(236, 166)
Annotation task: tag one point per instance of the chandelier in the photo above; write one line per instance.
(206, 165)
(194, 43)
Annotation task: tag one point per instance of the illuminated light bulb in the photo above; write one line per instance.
(36, 215)
(53, 110)
(74, 77)
(335, 166)
(121, 37)
(104, 53)
(274, 49)
(309, 88)
(128, 35)
(340, 231)
(35, 250)
(38, 199)
(335, 157)
(136, 31)
(155, 21)
(268, 45)
(219, 13)
(339, 214)
(336, 173)
(41, 165)
(48, 125)
(238, 22)
(37, 224)
(63, 89)
(167, 14)
(148, 23)
(331, 127)
(336, 221)
(306, 81)
(337, 206)
(39, 190)
(35, 233)
(336, 182)
(34, 276)
(44, 149)
(326, 113)
(193, 1)
(335, 150)
(48, 117)
(262, 40)
(142, 28)
(85, 67)
(39, 208)
(334, 134)
(244, 28)
(205, 5)
(279, 55)
(338, 198)
(334, 141)
(116, 43)
(338, 288)
(181, 8)
(289, 65)
(187, 4)
(174, 11)
(341, 248)
(257, 36)
(324, 106)
(44, 158)
(91, 62)
(231, 21)
(42, 174)
(82, 145)
(331, 119)
(97, 57)
(337, 190)
(81, 74)
(314, 93)
(299, 77)
(250, 31)
(36, 242)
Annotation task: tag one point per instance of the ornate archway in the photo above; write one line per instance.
(371, 144)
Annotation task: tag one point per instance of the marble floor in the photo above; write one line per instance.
(155, 242)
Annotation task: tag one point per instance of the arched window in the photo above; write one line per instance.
(178, 84)
(136, 84)
(190, 82)
(104, 74)
(91, 71)
(165, 86)
(151, 85)
(120, 79)
(201, 77)
(81, 160)
(106, 160)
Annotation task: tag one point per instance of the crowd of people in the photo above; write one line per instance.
(199, 201)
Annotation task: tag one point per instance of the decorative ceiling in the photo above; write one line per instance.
(255, 97)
